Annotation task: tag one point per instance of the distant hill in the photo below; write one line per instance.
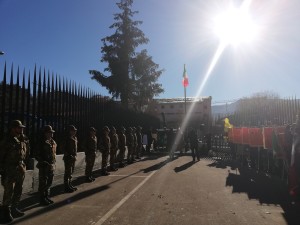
(223, 109)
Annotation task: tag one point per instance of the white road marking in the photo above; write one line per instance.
(118, 205)
(116, 175)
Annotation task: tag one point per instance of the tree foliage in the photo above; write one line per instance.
(129, 71)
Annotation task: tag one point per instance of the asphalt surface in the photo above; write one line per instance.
(159, 191)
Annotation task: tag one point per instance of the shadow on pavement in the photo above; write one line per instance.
(31, 202)
(184, 166)
(221, 164)
(266, 189)
(62, 203)
(260, 186)
(157, 166)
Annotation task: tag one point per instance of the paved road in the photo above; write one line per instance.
(156, 191)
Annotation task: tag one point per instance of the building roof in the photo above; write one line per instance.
(181, 99)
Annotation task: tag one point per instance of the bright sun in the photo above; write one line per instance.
(235, 26)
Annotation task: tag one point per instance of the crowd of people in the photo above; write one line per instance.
(15, 150)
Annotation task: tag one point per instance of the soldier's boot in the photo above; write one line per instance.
(7, 217)
(104, 172)
(71, 186)
(43, 200)
(68, 189)
(113, 168)
(47, 197)
(88, 179)
(15, 212)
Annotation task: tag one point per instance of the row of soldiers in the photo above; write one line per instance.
(14, 150)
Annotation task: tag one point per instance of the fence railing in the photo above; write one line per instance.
(42, 98)
(259, 112)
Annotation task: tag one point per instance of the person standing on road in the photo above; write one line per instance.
(114, 139)
(134, 144)
(13, 153)
(70, 152)
(130, 145)
(105, 150)
(139, 139)
(90, 148)
(46, 164)
(122, 146)
(194, 144)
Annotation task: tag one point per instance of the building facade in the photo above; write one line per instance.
(172, 111)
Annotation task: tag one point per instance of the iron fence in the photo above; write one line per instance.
(42, 98)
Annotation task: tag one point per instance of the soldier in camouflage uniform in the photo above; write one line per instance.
(139, 139)
(134, 144)
(105, 150)
(114, 140)
(90, 148)
(46, 164)
(70, 153)
(130, 145)
(122, 146)
(13, 152)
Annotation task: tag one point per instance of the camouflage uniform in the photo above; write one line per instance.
(46, 158)
(90, 154)
(70, 153)
(134, 143)
(114, 140)
(105, 150)
(25, 139)
(130, 145)
(139, 139)
(13, 153)
(122, 146)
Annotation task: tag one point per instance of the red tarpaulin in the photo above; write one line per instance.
(237, 135)
(245, 135)
(255, 137)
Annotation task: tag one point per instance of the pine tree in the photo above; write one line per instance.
(127, 69)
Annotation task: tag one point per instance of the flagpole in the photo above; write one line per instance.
(185, 83)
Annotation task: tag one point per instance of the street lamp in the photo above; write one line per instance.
(1, 53)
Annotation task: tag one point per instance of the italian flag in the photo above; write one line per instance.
(185, 79)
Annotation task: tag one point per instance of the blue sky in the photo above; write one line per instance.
(64, 36)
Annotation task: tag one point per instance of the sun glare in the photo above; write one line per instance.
(235, 26)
